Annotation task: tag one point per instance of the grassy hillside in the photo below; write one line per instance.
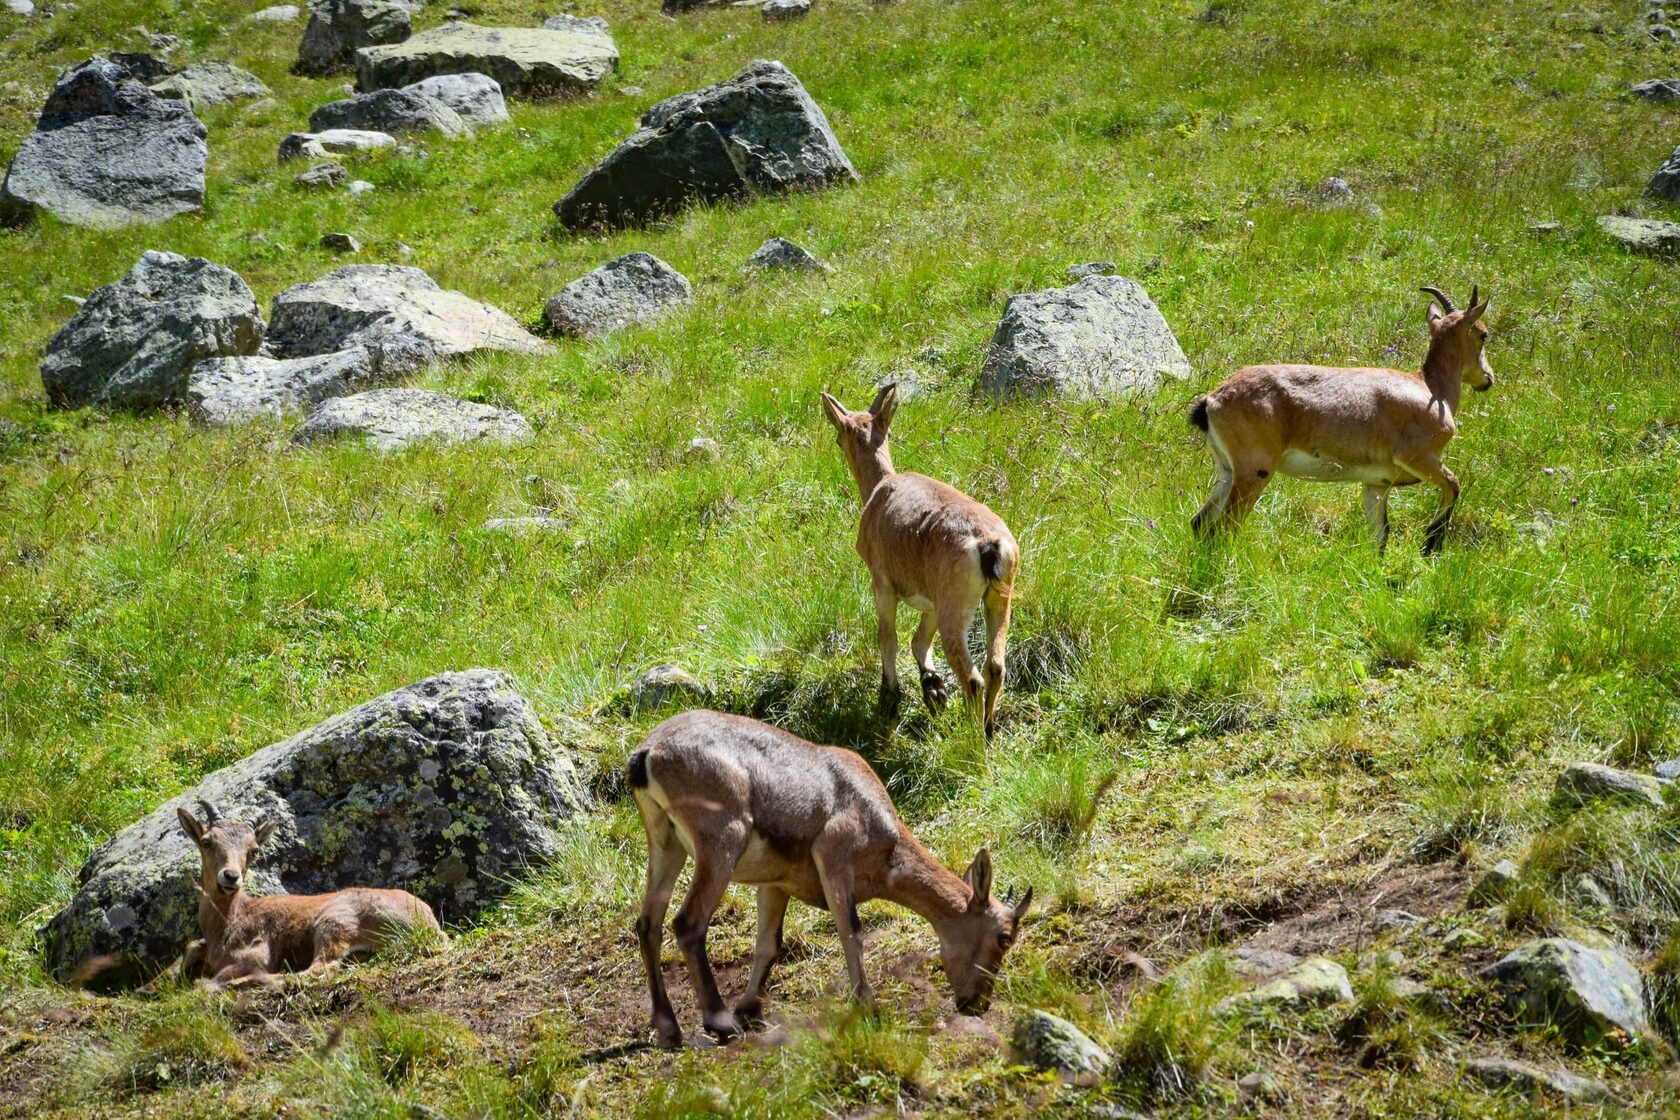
(1302, 732)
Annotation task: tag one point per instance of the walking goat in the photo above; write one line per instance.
(931, 546)
(753, 804)
(1378, 427)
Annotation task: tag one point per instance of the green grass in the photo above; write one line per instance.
(1288, 716)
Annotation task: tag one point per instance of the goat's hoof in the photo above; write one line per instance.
(934, 694)
(723, 1026)
(889, 698)
(750, 1011)
(668, 1034)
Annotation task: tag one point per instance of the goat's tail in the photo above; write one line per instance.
(998, 559)
(1199, 413)
(636, 768)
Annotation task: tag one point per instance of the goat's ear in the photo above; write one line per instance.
(190, 824)
(834, 410)
(1434, 314)
(884, 406)
(1021, 906)
(1476, 311)
(264, 830)
(979, 879)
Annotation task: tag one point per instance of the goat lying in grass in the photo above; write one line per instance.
(754, 804)
(247, 940)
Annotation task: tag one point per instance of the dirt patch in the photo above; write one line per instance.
(1342, 920)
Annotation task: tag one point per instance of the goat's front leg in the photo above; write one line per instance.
(723, 844)
(772, 908)
(886, 636)
(1430, 469)
(834, 868)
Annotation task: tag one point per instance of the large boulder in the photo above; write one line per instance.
(528, 62)
(338, 28)
(333, 142)
(476, 98)
(396, 309)
(107, 152)
(1666, 182)
(392, 419)
(1593, 995)
(449, 788)
(210, 83)
(389, 110)
(134, 342)
(238, 390)
(758, 132)
(1643, 235)
(1100, 338)
(636, 288)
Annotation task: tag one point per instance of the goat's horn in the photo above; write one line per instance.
(1009, 896)
(1475, 294)
(1446, 304)
(211, 813)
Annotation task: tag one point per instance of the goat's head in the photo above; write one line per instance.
(1463, 336)
(973, 945)
(225, 847)
(863, 435)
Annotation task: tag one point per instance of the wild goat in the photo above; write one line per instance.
(1379, 427)
(931, 546)
(753, 804)
(246, 940)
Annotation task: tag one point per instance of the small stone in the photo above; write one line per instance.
(333, 142)
(1461, 939)
(778, 252)
(1545, 229)
(358, 187)
(1663, 33)
(1260, 1087)
(1390, 959)
(523, 526)
(1332, 193)
(1591, 892)
(1316, 982)
(322, 175)
(1670, 770)
(778, 10)
(701, 448)
(1525, 1078)
(1263, 964)
(1092, 268)
(1582, 782)
(280, 13)
(1395, 919)
(1644, 235)
(1495, 886)
(1051, 1043)
(665, 685)
(340, 243)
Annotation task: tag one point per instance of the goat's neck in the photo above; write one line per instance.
(920, 883)
(1443, 372)
(217, 914)
(869, 467)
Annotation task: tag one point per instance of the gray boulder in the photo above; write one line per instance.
(210, 83)
(1495, 886)
(1643, 235)
(239, 390)
(778, 10)
(1100, 338)
(134, 342)
(338, 28)
(448, 788)
(1669, 769)
(1315, 982)
(1658, 89)
(24, 8)
(395, 309)
(280, 13)
(1666, 182)
(1594, 995)
(323, 175)
(580, 25)
(528, 62)
(389, 110)
(333, 142)
(1525, 1078)
(1582, 782)
(665, 685)
(476, 98)
(636, 288)
(107, 152)
(779, 253)
(525, 526)
(1048, 1042)
(758, 133)
(392, 419)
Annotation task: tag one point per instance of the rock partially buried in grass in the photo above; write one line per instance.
(1051, 1043)
(528, 62)
(476, 98)
(1593, 995)
(1525, 1078)
(338, 28)
(340, 243)
(1582, 782)
(334, 142)
(1092, 268)
(524, 526)
(107, 152)
(389, 110)
(664, 686)
(323, 175)
(1495, 886)
(1643, 235)
(449, 788)
(778, 10)
(1666, 182)
(1315, 982)
(757, 133)
(392, 419)
(1100, 338)
(1657, 89)
(238, 390)
(211, 83)
(280, 13)
(580, 25)
(780, 253)
(637, 288)
(134, 342)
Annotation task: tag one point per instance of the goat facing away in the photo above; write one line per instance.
(931, 546)
(754, 804)
(1378, 427)
(247, 940)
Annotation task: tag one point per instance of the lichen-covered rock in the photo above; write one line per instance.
(1495, 886)
(1102, 337)
(449, 788)
(323, 175)
(338, 28)
(1582, 782)
(528, 62)
(635, 288)
(476, 98)
(392, 419)
(134, 342)
(757, 133)
(389, 110)
(210, 83)
(1666, 182)
(1525, 1078)
(580, 25)
(1315, 982)
(333, 142)
(1049, 1042)
(238, 390)
(780, 253)
(107, 152)
(665, 685)
(1643, 235)
(1594, 995)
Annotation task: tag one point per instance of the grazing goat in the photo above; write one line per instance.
(753, 804)
(246, 940)
(931, 546)
(1378, 427)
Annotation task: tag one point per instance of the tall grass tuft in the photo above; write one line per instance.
(1170, 1034)
(182, 1040)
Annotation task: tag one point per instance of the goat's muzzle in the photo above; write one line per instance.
(227, 882)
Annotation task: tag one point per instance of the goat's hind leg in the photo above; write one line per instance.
(665, 862)
(886, 636)
(997, 637)
(934, 695)
(1208, 518)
